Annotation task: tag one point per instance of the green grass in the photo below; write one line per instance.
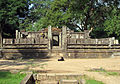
(9, 78)
(106, 72)
(113, 73)
(92, 81)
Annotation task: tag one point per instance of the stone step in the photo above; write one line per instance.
(57, 54)
(69, 82)
(116, 54)
(48, 82)
(61, 82)
(57, 50)
(54, 78)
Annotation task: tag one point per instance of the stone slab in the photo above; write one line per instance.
(48, 82)
(69, 82)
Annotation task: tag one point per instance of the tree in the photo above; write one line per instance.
(10, 13)
(112, 24)
(78, 15)
(37, 18)
(59, 13)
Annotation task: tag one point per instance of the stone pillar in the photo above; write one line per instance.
(64, 40)
(49, 37)
(116, 42)
(111, 41)
(60, 40)
(96, 41)
(16, 34)
(19, 35)
(64, 36)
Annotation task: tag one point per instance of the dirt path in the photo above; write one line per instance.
(80, 66)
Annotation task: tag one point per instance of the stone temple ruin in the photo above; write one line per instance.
(55, 42)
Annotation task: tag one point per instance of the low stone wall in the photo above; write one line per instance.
(26, 41)
(91, 41)
(25, 48)
(91, 51)
(73, 50)
(71, 53)
(24, 53)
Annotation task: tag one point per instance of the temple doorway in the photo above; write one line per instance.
(55, 40)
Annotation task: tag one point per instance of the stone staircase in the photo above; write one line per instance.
(59, 79)
(57, 53)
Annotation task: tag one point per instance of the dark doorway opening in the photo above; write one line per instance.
(55, 40)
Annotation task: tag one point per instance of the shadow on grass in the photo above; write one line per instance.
(4, 74)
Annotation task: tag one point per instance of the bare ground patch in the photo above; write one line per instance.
(80, 66)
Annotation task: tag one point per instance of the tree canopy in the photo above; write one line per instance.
(10, 13)
(79, 15)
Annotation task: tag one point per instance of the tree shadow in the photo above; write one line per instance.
(4, 74)
(34, 54)
(27, 53)
(8, 63)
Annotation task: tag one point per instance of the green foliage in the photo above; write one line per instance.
(113, 73)
(58, 13)
(10, 13)
(9, 78)
(112, 24)
(92, 81)
(99, 32)
(37, 17)
(103, 16)
(106, 72)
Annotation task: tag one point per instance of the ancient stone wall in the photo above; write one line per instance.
(71, 45)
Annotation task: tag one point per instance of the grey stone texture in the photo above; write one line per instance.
(71, 45)
(60, 78)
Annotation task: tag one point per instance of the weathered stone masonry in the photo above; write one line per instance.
(52, 42)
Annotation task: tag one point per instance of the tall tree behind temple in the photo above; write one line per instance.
(10, 13)
(32, 15)
(81, 14)
(59, 12)
(37, 17)
(112, 23)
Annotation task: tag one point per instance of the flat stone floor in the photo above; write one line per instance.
(80, 66)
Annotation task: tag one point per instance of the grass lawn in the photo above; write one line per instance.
(91, 81)
(9, 78)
